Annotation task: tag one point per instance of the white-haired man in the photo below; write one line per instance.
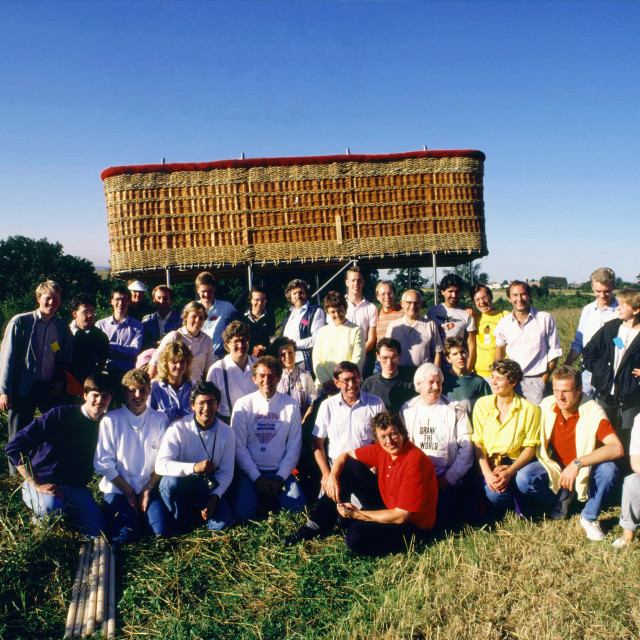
(440, 427)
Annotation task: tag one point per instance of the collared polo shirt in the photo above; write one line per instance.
(533, 344)
(364, 314)
(520, 429)
(347, 427)
(125, 340)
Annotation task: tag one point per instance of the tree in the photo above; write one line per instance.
(409, 278)
(462, 270)
(25, 262)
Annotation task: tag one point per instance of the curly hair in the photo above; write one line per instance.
(387, 419)
(174, 352)
(509, 368)
(236, 329)
(334, 299)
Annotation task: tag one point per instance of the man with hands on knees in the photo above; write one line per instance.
(128, 444)
(383, 513)
(268, 433)
(196, 460)
(54, 454)
(506, 431)
(578, 446)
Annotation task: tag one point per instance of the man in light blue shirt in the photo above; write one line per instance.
(593, 316)
(125, 334)
(219, 312)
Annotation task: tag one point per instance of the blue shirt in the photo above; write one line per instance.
(219, 316)
(175, 404)
(125, 342)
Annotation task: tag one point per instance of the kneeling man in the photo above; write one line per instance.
(54, 454)
(268, 434)
(196, 461)
(383, 514)
(577, 448)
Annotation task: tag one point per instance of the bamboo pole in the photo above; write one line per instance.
(77, 626)
(111, 624)
(90, 615)
(100, 612)
(73, 605)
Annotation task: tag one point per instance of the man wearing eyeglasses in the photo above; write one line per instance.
(419, 337)
(345, 418)
(389, 385)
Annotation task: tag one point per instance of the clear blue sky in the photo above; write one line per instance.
(550, 91)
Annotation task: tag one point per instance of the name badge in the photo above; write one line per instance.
(304, 321)
(55, 347)
(618, 342)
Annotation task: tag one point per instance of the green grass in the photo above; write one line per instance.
(522, 580)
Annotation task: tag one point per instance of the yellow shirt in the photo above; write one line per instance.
(520, 429)
(485, 340)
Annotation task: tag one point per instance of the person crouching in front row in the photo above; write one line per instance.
(388, 512)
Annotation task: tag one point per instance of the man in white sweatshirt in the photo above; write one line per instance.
(196, 460)
(268, 435)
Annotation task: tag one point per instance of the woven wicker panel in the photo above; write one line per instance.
(331, 210)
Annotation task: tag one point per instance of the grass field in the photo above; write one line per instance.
(521, 580)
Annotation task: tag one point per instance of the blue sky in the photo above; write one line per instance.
(549, 91)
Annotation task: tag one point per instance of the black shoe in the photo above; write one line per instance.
(302, 534)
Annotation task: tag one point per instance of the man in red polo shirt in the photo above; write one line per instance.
(575, 457)
(382, 513)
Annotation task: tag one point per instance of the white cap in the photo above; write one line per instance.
(136, 285)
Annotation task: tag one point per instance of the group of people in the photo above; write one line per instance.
(389, 422)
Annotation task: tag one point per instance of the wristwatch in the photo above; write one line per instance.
(577, 463)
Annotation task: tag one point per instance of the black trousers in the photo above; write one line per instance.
(365, 537)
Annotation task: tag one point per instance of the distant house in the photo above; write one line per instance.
(553, 282)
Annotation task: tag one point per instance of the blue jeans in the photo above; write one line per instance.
(509, 498)
(78, 505)
(185, 497)
(125, 525)
(246, 500)
(533, 480)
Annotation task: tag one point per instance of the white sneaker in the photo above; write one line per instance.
(592, 528)
(620, 543)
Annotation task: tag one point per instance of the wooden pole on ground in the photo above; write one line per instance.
(73, 605)
(90, 615)
(77, 626)
(100, 613)
(111, 614)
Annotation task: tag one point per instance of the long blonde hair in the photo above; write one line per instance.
(174, 352)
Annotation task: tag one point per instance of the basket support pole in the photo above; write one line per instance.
(250, 275)
(435, 278)
(333, 277)
(168, 273)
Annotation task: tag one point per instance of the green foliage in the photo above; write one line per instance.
(408, 278)
(24, 263)
(465, 271)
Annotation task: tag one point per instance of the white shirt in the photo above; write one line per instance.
(347, 428)
(364, 314)
(591, 319)
(268, 434)
(185, 443)
(443, 432)
(240, 381)
(128, 446)
(292, 328)
(201, 348)
(634, 447)
(532, 345)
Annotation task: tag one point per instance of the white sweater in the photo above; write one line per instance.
(182, 447)
(268, 434)
(127, 446)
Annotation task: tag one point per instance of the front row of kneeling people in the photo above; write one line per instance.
(167, 467)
